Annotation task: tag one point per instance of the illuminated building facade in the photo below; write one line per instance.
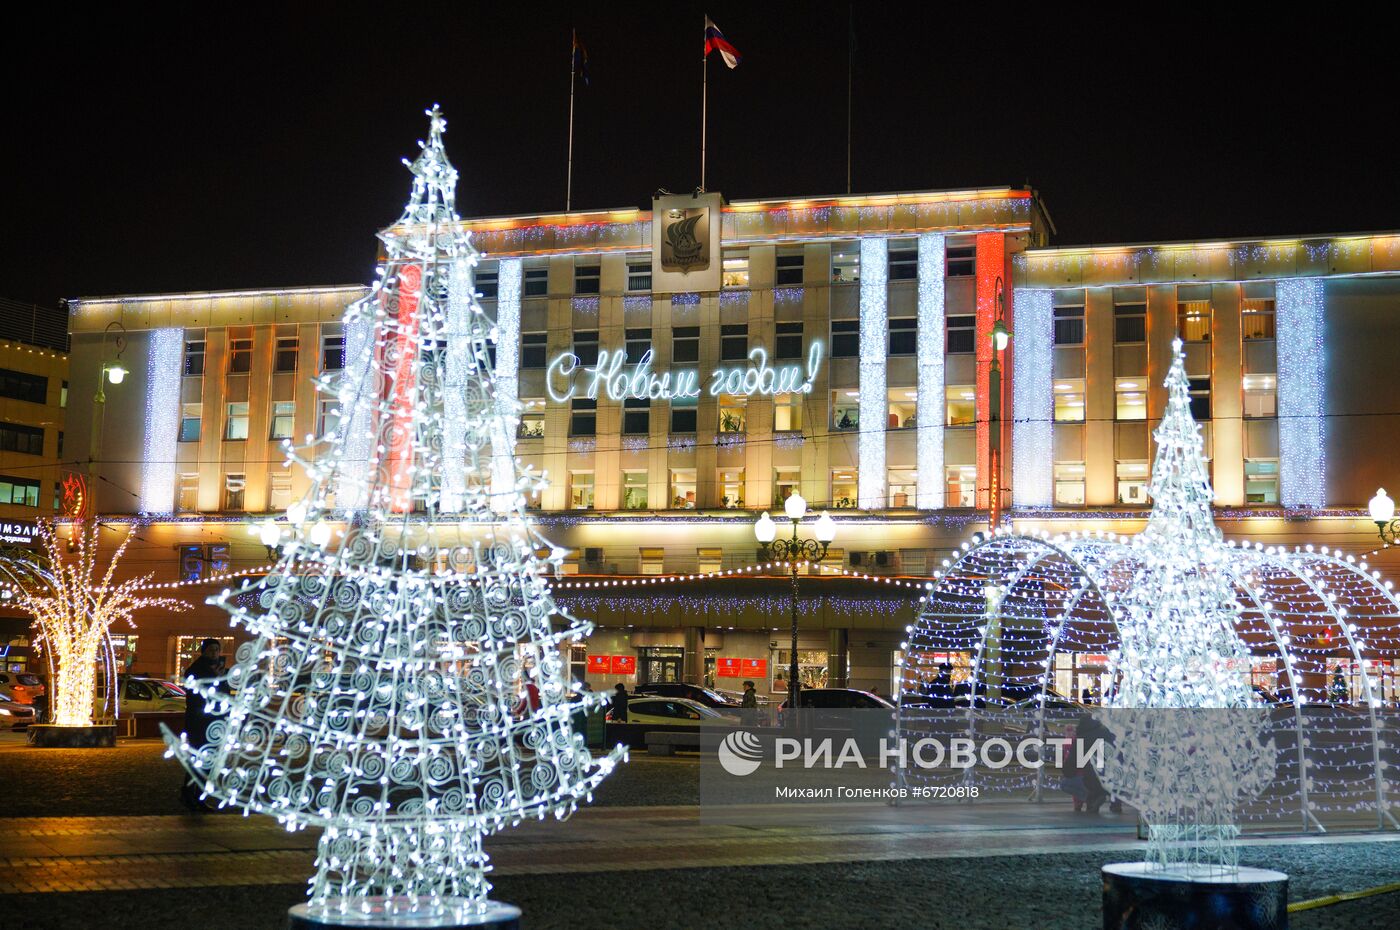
(836, 347)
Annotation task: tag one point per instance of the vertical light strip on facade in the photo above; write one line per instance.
(1033, 400)
(162, 420)
(991, 264)
(874, 351)
(357, 404)
(457, 329)
(507, 381)
(1301, 388)
(930, 487)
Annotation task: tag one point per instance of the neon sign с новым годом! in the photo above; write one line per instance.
(639, 381)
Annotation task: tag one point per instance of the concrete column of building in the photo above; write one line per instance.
(658, 449)
(758, 456)
(1226, 396)
(212, 424)
(707, 416)
(816, 456)
(555, 458)
(257, 460)
(1100, 486)
(693, 670)
(607, 457)
(307, 398)
(838, 657)
(1161, 330)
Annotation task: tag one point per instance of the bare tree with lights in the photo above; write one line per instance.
(405, 689)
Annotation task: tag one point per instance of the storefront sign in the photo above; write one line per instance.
(754, 668)
(726, 667)
(610, 376)
(18, 533)
(599, 665)
(624, 665)
(685, 243)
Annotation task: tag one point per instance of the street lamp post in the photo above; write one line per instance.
(793, 551)
(1383, 513)
(113, 371)
(1001, 337)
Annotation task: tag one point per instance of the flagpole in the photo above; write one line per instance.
(569, 184)
(704, 109)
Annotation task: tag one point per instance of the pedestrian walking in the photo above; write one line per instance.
(749, 704)
(209, 664)
(619, 704)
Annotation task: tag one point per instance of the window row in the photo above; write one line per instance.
(1132, 479)
(1259, 395)
(281, 420)
(285, 353)
(1194, 320)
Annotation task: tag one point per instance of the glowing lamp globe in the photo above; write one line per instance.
(1001, 336)
(795, 506)
(826, 528)
(116, 372)
(320, 534)
(296, 513)
(765, 529)
(1382, 507)
(271, 534)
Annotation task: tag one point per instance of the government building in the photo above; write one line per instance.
(841, 348)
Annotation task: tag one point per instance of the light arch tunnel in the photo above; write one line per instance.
(1026, 619)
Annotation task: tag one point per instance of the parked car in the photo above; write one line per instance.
(14, 715)
(140, 695)
(650, 714)
(696, 693)
(840, 699)
(22, 687)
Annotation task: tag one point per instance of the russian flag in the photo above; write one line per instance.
(580, 59)
(715, 40)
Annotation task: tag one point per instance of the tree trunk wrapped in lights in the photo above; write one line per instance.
(75, 610)
(378, 698)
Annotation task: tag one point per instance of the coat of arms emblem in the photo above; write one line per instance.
(686, 242)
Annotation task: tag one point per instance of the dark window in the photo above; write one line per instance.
(586, 279)
(60, 444)
(17, 438)
(22, 491)
(1200, 398)
(903, 335)
(488, 284)
(63, 395)
(240, 356)
(21, 385)
(685, 344)
(332, 352)
(1069, 326)
(904, 264)
(536, 282)
(962, 335)
(638, 342)
(583, 417)
(286, 353)
(586, 346)
(532, 349)
(1130, 323)
(788, 268)
(192, 563)
(683, 419)
(636, 416)
(845, 338)
(961, 261)
(789, 341)
(733, 342)
(639, 276)
(194, 357)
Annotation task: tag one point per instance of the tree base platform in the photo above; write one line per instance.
(53, 736)
(1135, 896)
(406, 913)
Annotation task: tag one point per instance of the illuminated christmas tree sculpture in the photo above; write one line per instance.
(381, 696)
(1184, 770)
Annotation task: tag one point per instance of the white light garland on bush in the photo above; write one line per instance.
(1033, 407)
(381, 696)
(930, 487)
(874, 352)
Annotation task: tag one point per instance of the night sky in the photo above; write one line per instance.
(155, 151)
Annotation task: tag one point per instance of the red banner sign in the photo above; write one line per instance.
(624, 665)
(754, 668)
(599, 665)
(727, 667)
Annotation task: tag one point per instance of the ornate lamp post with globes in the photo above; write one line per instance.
(1383, 513)
(794, 551)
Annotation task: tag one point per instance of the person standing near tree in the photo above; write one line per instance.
(207, 665)
(619, 703)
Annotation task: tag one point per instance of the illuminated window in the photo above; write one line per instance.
(785, 483)
(639, 274)
(234, 486)
(788, 344)
(709, 560)
(962, 335)
(286, 356)
(903, 408)
(21, 491)
(731, 487)
(736, 268)
(845, 338)
(1069, 484)
(1260, 395)
(332, 349)
(240, 355)
(683, 415)
(1257, 319)
(902, 484)
(961, 261)
(685, 344)
(733, 413)
(587, 276)
(903, 335)
(787, 412)
(194, 357)
(636, 416)
(652, 560)
(1130, 398)
(236, 423)
(531, 418)
(580, 490)
(1132, 482)
(962, 485)
(960, 405)
(1130, 323)
(283, 414)
(843, 488)
(279, 490)
(187, 492)
(683, 489)
(638, 344)
(845, 263)
(586, 346)
(1069, 401)
(1261, 481)
(845, 409)
(190, 415)
(733, 342)
(1193, 320)
(536, 282)
(583, 417)
(634, 490)
(788, 267)
(532, 349)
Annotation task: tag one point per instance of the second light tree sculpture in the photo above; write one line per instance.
(380, 698)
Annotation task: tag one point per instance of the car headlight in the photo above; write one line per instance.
(6, 712)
